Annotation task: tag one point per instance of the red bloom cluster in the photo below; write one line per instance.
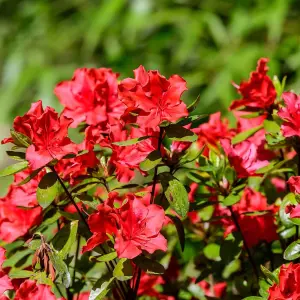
(135, 225)
(289, 283)
(258, 92)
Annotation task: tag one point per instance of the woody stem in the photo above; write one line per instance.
(155, 177)
(237, 225)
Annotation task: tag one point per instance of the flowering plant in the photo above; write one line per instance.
(154, 202)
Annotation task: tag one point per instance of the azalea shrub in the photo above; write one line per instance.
(127, 194)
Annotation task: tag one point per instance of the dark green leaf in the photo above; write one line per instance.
(16, 155)
(245, 134)
(212, 251)
(180, 230)
(13, 169)
(231, 199)
(269, 274)
(47, 189)
(101, 288)
(61, 268)
(123, 270)
(32, 175)
(131, 141)
(148, 265)
(17, 273)
(231, 247)
(20, 139)
(176, 132)
(105, 257)
(194, 104)
(151, 161)
(190, 120)
(84, 186)
(71, 240)
(292, 252)
(176, 194)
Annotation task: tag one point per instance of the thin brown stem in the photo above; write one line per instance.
(236, 223)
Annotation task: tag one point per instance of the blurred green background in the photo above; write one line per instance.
(208, 42)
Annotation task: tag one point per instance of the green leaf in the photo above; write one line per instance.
(231, 247)
(292, 251)
(34, 244)
(176, 132)
(268, 274)
(271, 126)
(123, 270)
(13, 169)
(47, 189)
(32, 175)
(16, 155)
(101, 288)
(17, 273)
(84, 186)
(194, 104)
(253, 298)
(231, 268)
(20, 139)
(71, 240)
(60, 267)
(151, 161)
(251, 115)
(190, 120)
(212, 251)
(105, 257)
(231, 199)
(180, 230)
(245, 134)
(148, 265)
(131, 141)
(176, 194)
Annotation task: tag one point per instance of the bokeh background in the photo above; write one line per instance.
(208, 42)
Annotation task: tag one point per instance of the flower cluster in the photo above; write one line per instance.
(155, 202)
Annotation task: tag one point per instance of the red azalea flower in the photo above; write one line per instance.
(294, 184)
(30, 290)
(279, 184)
(24, 195)
(102, 222)
(217, 290)
(258, 92)
(71, 169)
(48, 134)
(213, 131)
(257, 228)
(290, 114)
(289, 283)
(243, 157)
(5, 282)
(156, 96)
(140, 227)
(91, 96)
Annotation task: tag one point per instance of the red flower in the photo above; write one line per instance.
(71, 169)
(294, 184)
(30, 290)
(243, 157)
(255, 228)
(48, 134)
(140, 227)
(156, 96)
(289, 283)
(24, 195)
(279, 184)
(91, 96)
(102, 222)
(213, 131)
(258, 92)
(148, 285)
(217, 290)
(5, 282)
(290, 114)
